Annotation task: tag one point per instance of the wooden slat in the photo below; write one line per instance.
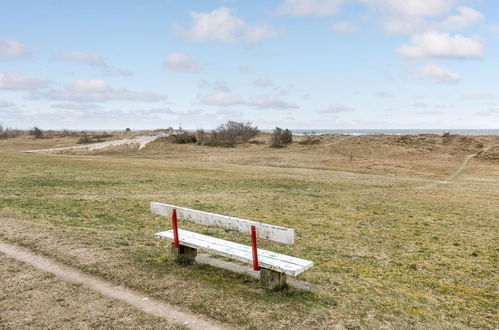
(267, 259)
(263, 230)
(246, 248)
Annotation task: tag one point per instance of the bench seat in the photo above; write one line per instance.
(266, 259)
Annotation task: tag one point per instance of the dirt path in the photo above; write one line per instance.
(146, 304)
(141, 140)
(466, 161)
(459, 170)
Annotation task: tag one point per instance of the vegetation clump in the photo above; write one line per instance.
(36, 133)
(7, 133)
(84, 139)
(232, 132)
(87, 138)
(447, 137)
(280, 138)
(184, 138)
(309, 139)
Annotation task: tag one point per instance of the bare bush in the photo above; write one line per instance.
(233, 132)
(8, 133)
(102, 136)
(201, 136)
(184, 137)
(280, 138)
(36, 132)
(85, 138)
(309, 138)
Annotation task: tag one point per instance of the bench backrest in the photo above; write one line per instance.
(266, 231)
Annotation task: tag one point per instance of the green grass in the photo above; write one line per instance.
(385, 254)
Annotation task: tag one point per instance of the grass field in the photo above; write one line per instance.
(392, 247)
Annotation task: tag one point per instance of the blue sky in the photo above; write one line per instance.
(289, 63)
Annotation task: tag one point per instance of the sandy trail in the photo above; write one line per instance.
(141, 140)
(466, 161)
(140, 301)
(460, 169)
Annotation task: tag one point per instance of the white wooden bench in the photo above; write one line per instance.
(273, 266)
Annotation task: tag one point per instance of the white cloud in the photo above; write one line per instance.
(494, 108)
(438, 74)
(83, 58)
(6, 104)
(92, 59)
(181, 62)
(419, 16)
(221, 25)
(12, 49)
(19, 81)
(345, 27)
(467, 17)
(272, 102)
(76, 106)
(406, 25)
(310, 7)
(96, 90)
(222, 99)
(263, 83)
(441, 45)
(336, 109)
(219, 85)
(413, 8)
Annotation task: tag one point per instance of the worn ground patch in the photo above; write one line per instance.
(31, 298)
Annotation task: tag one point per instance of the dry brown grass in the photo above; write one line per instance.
(386, 254)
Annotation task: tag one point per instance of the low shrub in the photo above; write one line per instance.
(184, 138)
(309, 139)
(85, 138)
(280, 138)
(233, 132)
(8, 133)
(36, 133)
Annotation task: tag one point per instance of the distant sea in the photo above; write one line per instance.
(393, 131)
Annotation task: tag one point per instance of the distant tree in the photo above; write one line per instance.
(232, 132)
(280, 138)
(36, 132)
(128, 129)
(287, 136)
(247, 131)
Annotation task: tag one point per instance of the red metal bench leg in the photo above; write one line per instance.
(176, 242)
(254, 248)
